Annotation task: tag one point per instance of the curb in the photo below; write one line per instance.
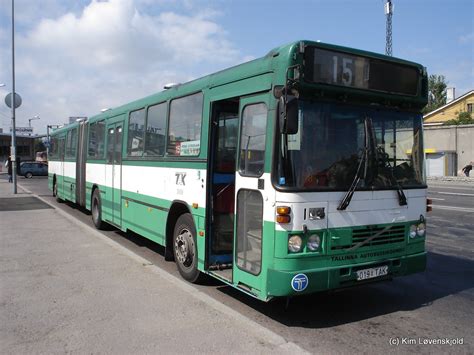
(273, 338)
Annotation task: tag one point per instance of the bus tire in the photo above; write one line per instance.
(185, 248)
(96, 209)
(55, 191)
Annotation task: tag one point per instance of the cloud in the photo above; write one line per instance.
(467, 38)
(461, 77)
(111, 53)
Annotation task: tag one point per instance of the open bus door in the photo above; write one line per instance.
(234, 248)
(248, 270)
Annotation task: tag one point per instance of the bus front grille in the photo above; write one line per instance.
(393, 235)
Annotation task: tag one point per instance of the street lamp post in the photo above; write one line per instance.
(33, 118)
(13, 104)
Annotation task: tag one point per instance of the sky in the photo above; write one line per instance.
(74, 58)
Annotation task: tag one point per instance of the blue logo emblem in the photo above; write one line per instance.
(299, 282)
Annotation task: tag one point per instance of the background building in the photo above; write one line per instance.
(451, 110)
(449, 148)
(25, 147)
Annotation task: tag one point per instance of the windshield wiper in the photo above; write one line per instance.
(402, 199)
(363, 161)
(375, 157)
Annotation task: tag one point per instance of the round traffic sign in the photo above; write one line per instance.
(17, 100)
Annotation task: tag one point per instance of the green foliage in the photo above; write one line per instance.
(437, 86)
(39, 146)
(463, 118)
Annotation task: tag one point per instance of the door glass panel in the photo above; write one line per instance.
(252, 140)
(249, 231)
(61, 148)
(118, 145)
(110, 145)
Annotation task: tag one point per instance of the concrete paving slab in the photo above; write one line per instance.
(22, 204)
(66, 290)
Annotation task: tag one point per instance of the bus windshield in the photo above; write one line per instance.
(331, 141)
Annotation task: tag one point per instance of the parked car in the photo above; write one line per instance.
(30, 169)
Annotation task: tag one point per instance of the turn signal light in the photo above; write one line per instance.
(283, 214)
(283, 219)
(282, 210)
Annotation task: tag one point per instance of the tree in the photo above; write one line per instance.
(39, 145)
(463, 118)
(437, 86)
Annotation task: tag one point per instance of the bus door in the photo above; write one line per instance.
(248, 270)
(81, 164)
(60, 178)
(223, 152)
(114, 171)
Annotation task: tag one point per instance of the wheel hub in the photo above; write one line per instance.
(184, 246)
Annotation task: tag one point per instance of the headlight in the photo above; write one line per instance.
(294, 243)
(314, 242)
(421, 229)
(412, 231)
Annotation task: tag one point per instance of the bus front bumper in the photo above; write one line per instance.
(284, 283)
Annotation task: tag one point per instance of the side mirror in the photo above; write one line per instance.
(288, 115)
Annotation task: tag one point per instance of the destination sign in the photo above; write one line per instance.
(343, 69)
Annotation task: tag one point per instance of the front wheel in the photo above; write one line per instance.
(28, 175)
(97, 210)
(185, 249)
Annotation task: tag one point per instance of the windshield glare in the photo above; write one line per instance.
(330, 142)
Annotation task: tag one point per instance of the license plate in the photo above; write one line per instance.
(372, 272)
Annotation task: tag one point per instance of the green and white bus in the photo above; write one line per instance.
(295, 173)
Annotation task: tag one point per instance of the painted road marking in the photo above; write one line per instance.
(465, 187)
(452, 193)
(435, 198)
(460, 209)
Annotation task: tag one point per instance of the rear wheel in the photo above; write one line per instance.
(185, 248)
(28, 175)
(97, 210)
(55, 191)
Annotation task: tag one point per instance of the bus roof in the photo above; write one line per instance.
(265, 64)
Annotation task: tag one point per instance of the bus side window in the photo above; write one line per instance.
(184, 137)
(71, 143)
(96, 140)
(136, 133)
(155, 130)
(53, 148)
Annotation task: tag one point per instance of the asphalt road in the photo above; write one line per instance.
(405, 314)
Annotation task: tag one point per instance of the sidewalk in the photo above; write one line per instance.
(457, 179)
(67, 288)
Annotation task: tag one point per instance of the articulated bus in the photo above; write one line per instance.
(295, 173)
